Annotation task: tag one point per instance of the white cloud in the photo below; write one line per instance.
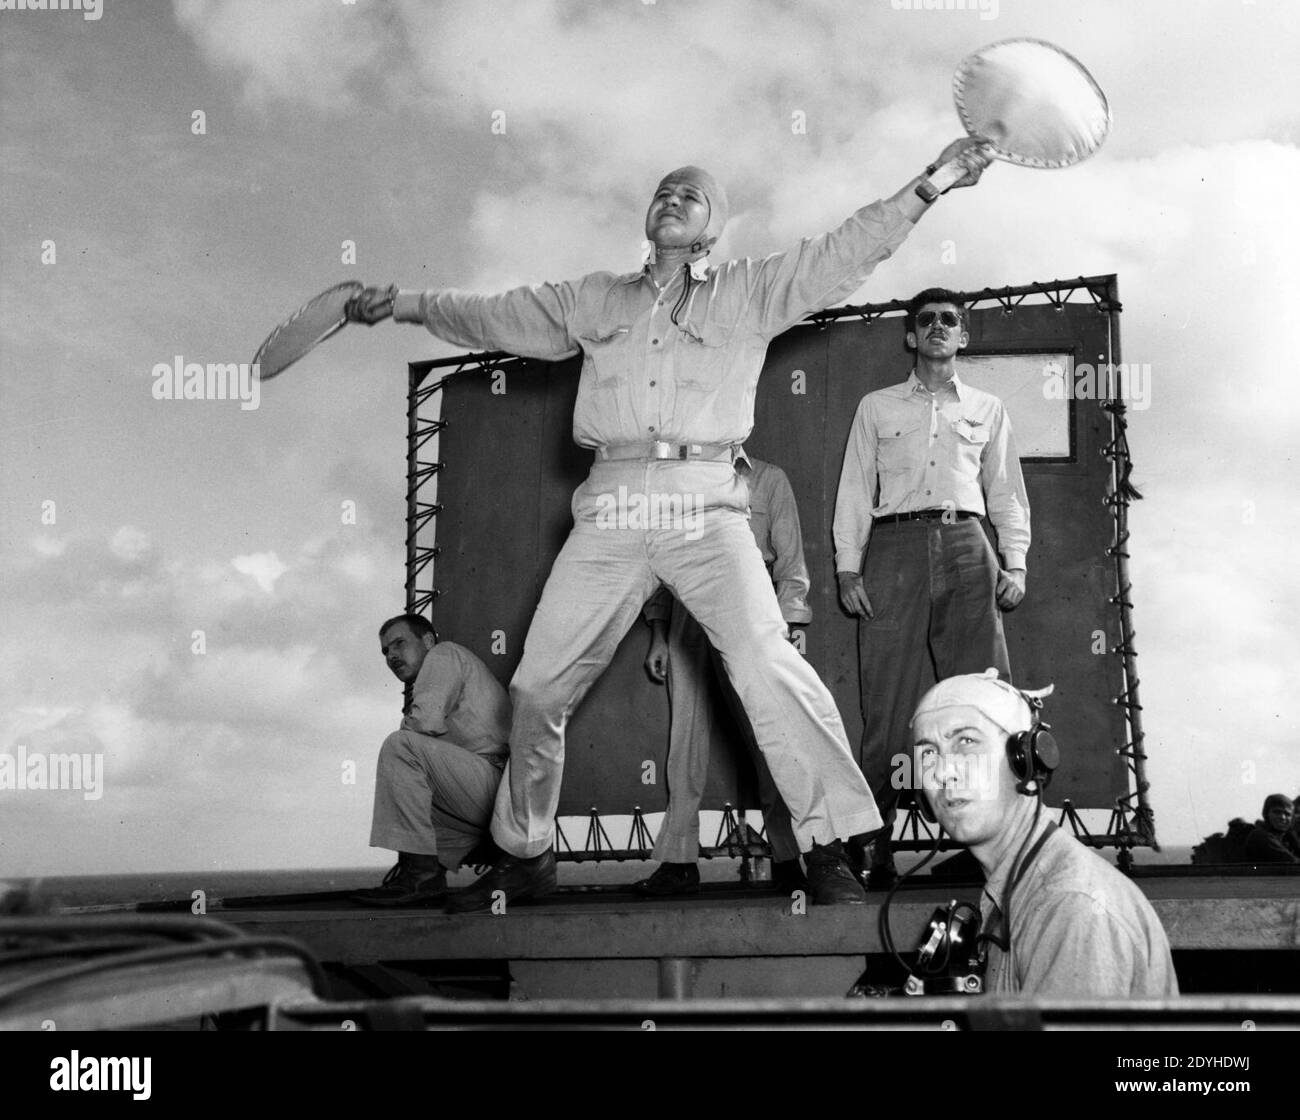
(263, 567)
(48, 546)
(358, 567)
(20, 722)
(130, 544)
(206, 744)
(309, 51)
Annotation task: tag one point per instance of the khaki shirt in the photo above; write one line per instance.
(909, 451)
(645, 378)
(456, 697)
(1079, 929)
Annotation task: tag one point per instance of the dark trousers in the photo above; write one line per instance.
(933, 589)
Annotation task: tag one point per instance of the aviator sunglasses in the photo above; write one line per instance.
(947, 318)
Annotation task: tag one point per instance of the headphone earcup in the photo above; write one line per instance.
(1033, 755)
(1018, 746)
(1046, 752)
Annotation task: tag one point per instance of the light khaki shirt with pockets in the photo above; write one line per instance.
(909, 450)
(645, 378)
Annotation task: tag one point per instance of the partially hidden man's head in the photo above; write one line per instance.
(1279, 812)
(960, 731)
(405, 641)
(937, 324)
(687, 212)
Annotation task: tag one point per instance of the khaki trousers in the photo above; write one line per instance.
(432, 797)
(691, 662)
(637, 524)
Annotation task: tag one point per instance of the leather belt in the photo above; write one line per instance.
(927, 515)
(708, 452)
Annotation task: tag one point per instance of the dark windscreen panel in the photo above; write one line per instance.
(510, 467)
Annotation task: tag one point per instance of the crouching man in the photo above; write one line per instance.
(1059, 920)
(438, 774)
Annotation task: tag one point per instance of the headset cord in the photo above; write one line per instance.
(1019, 868)
(886, 938)
(1004, 907)
(686, 291)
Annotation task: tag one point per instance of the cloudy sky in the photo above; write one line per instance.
(182, 591)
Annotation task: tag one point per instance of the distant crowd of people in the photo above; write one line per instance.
(1274, 838)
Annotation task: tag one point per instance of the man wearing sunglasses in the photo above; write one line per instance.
(926, 460)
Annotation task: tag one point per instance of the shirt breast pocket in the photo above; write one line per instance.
(901, 446)
(971, 440)
(702, 355)
(606, 353)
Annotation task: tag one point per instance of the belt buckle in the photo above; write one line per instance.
(661, 450)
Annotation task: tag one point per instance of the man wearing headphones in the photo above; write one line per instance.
(1057, 918)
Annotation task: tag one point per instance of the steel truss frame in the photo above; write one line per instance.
(1132, 822)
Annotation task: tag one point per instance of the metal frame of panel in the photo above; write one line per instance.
(1131, 822)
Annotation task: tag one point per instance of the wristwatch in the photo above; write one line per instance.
(940, 179)
(926, 191)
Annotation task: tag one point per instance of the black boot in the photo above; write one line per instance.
(830, 878)
(788, 876)
(519, 879)
(670, 879)
(882, 874)
(415, 880)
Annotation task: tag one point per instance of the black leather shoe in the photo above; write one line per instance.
(519, 879)
(788, 876)
(858, 849)
(670, 879)
(483, 855)
(830, 879)
(882, 874)
(406, 885)
(883, 877)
